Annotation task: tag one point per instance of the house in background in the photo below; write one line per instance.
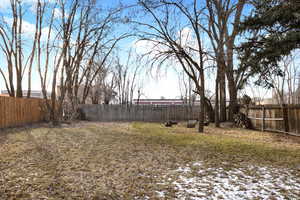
(33, 93)
(288, 98)
(4, 95)
(98, 94)
(297, 96)
(263, 101)
(162, 102)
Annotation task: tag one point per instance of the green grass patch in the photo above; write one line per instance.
(220, 147)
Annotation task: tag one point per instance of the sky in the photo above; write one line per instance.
(166, 85)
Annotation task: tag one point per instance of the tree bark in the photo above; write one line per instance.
(19, 87)
(217, 121)
(232, 88)
(222, 91)
(202, 103)
(233, 105)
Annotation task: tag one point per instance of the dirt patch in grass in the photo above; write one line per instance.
(125, 161)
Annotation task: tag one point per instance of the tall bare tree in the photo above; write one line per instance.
(104, 86)
(224, 18)
(127, 81)
(285, 87)
(166, 35)
(12, 44)
(79, 44)
(186, 87)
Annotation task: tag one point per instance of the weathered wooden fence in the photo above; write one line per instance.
(284, 119)
(149, 113)
(20, 111)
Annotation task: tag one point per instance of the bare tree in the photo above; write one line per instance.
(47, 48)
(103, 87)
(126, 78)
(186, 87)
(12, 44)
(224, 17)
(285, 86)
(293, 85)
(217, 18)
(17, 59)
(88, 42)
(80, 41)
(166, 35)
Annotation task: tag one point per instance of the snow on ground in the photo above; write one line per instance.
(197, 182)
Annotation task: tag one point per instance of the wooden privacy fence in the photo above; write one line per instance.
(284, 119)
(20, 111)
(149, 113)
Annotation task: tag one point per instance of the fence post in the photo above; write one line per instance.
(143, 118)
(263, 118)
(285, 118)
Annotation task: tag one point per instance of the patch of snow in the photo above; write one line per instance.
(197, 164)
(144, 198)
(236, 184)
(184, 169)
(160, 194)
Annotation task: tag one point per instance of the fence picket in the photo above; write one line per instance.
(20, 111)
(279, 119)
(151, 113)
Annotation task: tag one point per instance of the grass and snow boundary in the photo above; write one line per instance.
(198, 182)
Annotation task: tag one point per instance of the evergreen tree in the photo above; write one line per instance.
(274, 26)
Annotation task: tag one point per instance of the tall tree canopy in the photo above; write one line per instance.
(274, 26)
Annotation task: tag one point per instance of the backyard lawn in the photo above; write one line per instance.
(88, 160)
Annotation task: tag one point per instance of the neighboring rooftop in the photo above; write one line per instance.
(33, 93)
(162, 101)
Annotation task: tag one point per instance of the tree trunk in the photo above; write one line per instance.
(55, 108)
(233, 105)
(222, 94)
(202, 103)
(19, 87)
(11, 82)
(209, 111)
(217, 121)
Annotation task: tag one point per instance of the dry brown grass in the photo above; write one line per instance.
(122, 160)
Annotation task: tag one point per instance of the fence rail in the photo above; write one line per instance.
(276, 118)
(20, 111)
(150, 113)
